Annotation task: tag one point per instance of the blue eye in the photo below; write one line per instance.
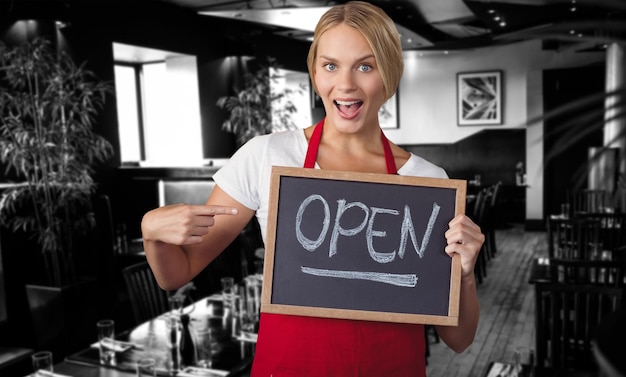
(365, 68)
(330, 66)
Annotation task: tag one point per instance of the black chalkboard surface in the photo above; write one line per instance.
(361, 246)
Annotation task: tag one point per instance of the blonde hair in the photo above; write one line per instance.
(379, 31)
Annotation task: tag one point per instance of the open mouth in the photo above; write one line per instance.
(348, 107)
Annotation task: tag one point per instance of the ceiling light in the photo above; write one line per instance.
(497, 18)
(491, 11)
(298, 18)
(503, 24)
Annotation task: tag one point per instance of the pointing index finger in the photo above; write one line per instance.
(213, 210)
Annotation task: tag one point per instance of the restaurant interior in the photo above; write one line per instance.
(548, 162)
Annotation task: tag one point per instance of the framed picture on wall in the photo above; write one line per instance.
(388, 113)
(479, 96)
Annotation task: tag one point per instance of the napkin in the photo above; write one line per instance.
(51, 374)
(498, 370)
(201, 372)
(248, 337)
(119, 346)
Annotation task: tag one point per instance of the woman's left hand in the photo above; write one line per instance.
(466, 239)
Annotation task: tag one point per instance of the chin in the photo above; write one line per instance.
(347, 125)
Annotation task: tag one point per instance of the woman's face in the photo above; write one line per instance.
(348, 79)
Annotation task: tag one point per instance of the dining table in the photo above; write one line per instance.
(232, 349)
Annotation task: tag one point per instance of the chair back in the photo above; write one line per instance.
(147, 299)
(573, 237)
(588, 200)
(612, 229)
(567, 316)
(598, 272)
(482, 207)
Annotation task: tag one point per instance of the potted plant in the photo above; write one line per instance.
(250, 109)
(47, 109)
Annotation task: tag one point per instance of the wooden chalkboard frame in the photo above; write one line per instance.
(267, 305)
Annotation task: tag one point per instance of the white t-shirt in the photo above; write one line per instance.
(246, 176)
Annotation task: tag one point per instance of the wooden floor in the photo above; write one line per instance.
(507, 309)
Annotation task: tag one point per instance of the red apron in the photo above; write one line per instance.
(298, 346)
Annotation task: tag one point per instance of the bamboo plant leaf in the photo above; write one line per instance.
(48, 109)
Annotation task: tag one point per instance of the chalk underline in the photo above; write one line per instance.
(400, 280)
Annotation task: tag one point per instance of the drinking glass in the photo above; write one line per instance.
(251, 299)
(42, 362)
(106, 338)
(204, 351)
(229, 293)
(146, 368)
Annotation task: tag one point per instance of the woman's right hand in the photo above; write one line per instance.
(181, 224)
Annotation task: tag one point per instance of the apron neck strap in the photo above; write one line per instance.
(316, 137)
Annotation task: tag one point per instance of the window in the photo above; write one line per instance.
(159, 111)
(297, 85)
(159, 108)
(127, 110)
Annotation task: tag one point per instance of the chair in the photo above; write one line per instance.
(583, 201)
(566, 317)
(598, 272)
(612, 231)
(480, 216)
(493, 218)
(572, 238)
(148, 300)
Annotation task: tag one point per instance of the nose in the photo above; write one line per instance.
(346, 80)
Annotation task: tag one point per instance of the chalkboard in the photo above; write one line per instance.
(361, 246)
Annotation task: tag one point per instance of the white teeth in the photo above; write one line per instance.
(346, 103)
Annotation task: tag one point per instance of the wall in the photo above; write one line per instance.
(427, 93)
(428, 88)
(428, 97)
(492, 154)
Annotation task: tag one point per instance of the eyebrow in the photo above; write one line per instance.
(358, 59)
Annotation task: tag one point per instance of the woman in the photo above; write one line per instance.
(355, 64)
